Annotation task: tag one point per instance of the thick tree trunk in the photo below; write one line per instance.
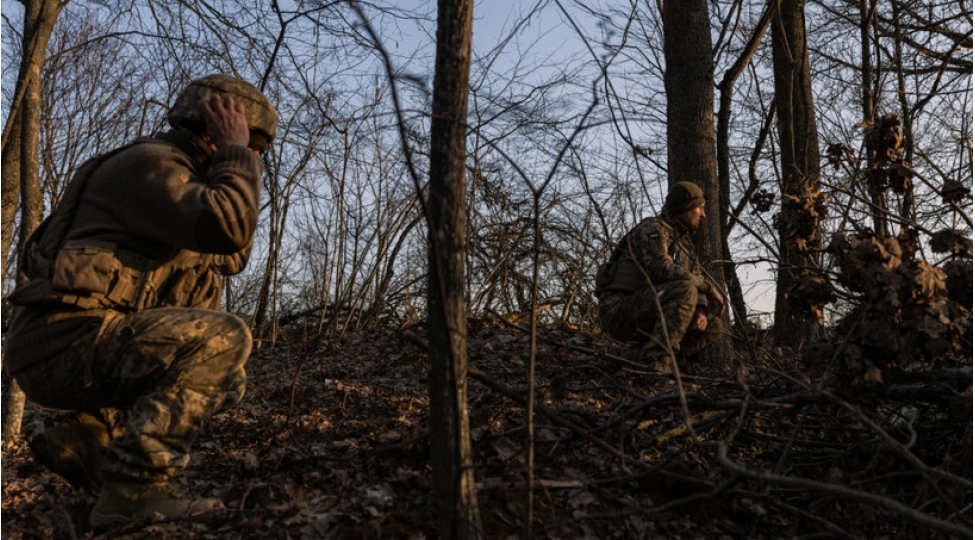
(691, 139)
(39, 19)
(799, 144)
(453, 472)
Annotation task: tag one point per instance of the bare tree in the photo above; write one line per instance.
(868, 14)
(21, 167)
(453, 471)
(691, 142)
(799, 218)
(730, 215)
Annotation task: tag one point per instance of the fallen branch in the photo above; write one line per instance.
(699, 402)
(901, 449)
(552, 415)
(826, 524)
(842, 492)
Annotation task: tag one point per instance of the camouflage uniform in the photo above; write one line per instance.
(122, 325)
(651, 287)
(153, 378)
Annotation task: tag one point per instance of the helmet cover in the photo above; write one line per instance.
(262, 118)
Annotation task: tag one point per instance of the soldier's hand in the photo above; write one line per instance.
(225, 120)
(717, 300)
(700, 321)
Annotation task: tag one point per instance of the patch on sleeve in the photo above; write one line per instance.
(184, 177)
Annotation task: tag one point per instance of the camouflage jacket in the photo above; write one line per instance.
(155, 224)
(659, 248)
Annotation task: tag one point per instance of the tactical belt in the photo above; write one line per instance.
(91, 274)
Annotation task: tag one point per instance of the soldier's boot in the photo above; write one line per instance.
(74, 450)
(121, 501)
(651, 355)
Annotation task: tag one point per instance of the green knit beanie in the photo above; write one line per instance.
(683, 196)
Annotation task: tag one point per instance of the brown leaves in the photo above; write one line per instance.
(951, 241)
(927, 282)
(899, 177)
(839, 153)
(906, 317)
(959, 281)
(885, 147)
(866, 262)
(809, 295)
(954, 192)
(803, 208)
(334, 470)
(882, 138)
(762, 201)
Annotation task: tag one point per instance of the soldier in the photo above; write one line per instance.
(653, 292)
(119, 321)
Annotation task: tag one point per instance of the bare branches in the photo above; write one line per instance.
(844, 493)
(770, 439)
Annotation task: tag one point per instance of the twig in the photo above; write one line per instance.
(567, 346)
(698, 401)
(714, 493)
(552, 415)
(843, 492)
(828, 525)
(900, 448)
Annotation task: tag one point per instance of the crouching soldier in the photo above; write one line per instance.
(653, 292)
(119, 321)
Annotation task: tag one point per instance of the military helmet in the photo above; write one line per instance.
(262, 118)
(684, 196)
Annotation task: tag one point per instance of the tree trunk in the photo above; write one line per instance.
(691, 139)
(736, 295)
(799, 145)
(268, 289)
(39, 19)
(10, 170)
(868, 17)
(453, 473)
(907, 209)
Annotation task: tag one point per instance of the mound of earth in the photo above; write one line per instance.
(331, 441)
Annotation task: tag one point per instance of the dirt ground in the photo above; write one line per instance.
(331, 441)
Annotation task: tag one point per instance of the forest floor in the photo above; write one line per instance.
(331, 441)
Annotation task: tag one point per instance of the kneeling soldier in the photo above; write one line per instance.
(653, 292)
(119, 321)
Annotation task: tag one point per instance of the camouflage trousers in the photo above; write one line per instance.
(637, 317)
(152, 378)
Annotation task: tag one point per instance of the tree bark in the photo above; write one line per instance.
(453, 473)
(799, 144)
(39, 19)
(10, 170)
(691, 138)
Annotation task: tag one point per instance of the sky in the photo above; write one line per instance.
(549, 38)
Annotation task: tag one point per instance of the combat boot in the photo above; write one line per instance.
(121, 501)
(74, 450)
(650, 355)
